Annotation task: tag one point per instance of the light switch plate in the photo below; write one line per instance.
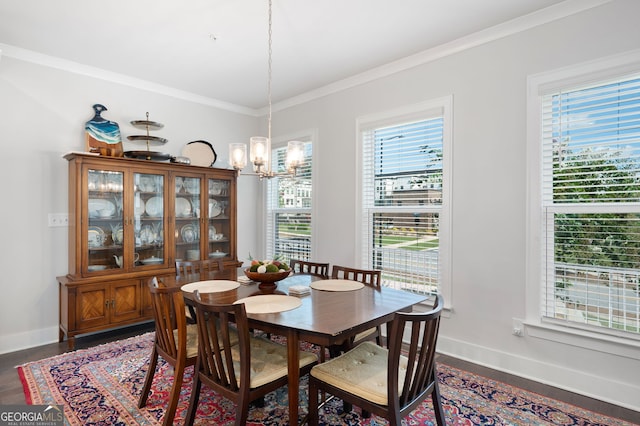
(58, 219)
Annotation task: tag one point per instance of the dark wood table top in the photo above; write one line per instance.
(324, 317)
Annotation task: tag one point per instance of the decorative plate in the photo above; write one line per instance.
(212, 232)
(189, 233)
(96, 236)
(183, 207)
(147, 235)
(216, 187)
(214, 208)
(117, 233)
(201, 153)
(154, 206)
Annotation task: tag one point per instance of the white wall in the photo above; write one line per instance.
(488, 84)
(42, 112)
(42, 116)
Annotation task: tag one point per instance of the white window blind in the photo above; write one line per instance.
(289, 208)
(591, 205)
(402, 199)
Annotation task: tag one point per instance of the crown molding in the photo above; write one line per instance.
(514, 26)
(102, 74)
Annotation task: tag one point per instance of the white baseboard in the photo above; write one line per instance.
(584, 383)
(30, 339)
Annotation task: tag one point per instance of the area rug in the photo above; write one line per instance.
(101, 385)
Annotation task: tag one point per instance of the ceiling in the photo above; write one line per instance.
(217, 49)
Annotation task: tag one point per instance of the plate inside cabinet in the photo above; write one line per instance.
(183, 207)
(96, 236)
(154, 206)
(201, 153)
(189, 233)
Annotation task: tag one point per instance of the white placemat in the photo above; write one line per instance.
(211, 286)
(336, 285)
(269, 303)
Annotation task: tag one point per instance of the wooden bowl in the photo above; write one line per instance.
(266, 277)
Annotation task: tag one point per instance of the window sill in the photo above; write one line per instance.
(613, 345)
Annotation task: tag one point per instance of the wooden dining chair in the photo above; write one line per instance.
(188, 267)
(311, 268)
(371, 278)
(387, 382)
(174, 340)
(244, 372)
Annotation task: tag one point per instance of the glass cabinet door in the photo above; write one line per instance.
(219, 228)
(187, 217)
(105, 231)
(148, 219)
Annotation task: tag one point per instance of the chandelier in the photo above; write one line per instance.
(260, 146)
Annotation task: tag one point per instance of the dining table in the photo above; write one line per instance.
(324, 317)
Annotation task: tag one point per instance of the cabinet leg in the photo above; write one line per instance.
(71, 342)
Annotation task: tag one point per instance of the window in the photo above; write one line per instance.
(404, 196)
(289, 203)
(589, 173)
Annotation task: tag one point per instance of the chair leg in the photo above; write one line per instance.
(437, 403)
(193, 400)
(312, 416)
(174, 395)
(242, 412)
(148, 380)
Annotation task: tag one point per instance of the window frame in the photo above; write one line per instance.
(415, 112)
(538, 85)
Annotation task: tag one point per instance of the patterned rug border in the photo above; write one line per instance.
(469, 398)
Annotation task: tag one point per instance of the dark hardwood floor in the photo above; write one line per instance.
(11, 388)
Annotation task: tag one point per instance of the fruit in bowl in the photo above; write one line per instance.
(267, 271)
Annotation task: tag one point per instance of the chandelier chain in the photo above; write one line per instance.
(269, 77)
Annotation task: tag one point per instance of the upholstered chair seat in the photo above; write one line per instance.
(362, 371)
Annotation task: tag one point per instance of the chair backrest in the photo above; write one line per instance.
(216, 346)
(420, 329)
(169, 315)
(369, 277)
(187, 267)
(312, 268)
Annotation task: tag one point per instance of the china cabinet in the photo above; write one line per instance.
(131, 219)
